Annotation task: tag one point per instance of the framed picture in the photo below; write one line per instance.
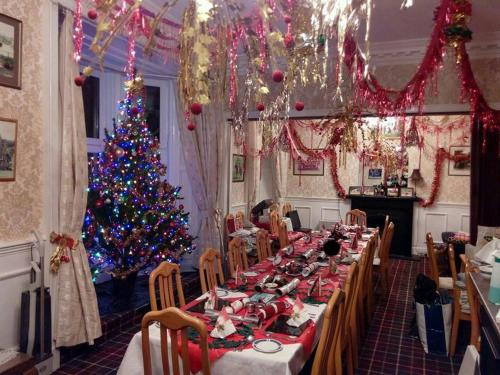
(461, 165)
(355, 190)
(393, 192)
(368, 190)
(238, 168)
(8, 139)
(375, 173)
(309, 167)
(406, 192)
(10, 51)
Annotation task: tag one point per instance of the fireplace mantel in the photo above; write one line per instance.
(400, 211)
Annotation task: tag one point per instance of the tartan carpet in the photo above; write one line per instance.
(389, 346)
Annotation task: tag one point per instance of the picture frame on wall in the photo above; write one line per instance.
(375, 173)
(309, 167)
(462, 164)
(238, 168)
(10, 51)
(406, 192)
(355, 190)
(393, 192)
(8, 143)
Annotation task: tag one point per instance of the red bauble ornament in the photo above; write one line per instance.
(134, 111)
(278, 76)
(191, 126)
(260, 107)
(79, 80)
(196, 108)
(289, 40)
(287, 19)
(299, 106)
(181, 207)
(99, 203)
(92, 14)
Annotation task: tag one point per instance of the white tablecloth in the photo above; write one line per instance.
(288, 361)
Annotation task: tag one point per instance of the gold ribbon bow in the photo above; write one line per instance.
(61, 253)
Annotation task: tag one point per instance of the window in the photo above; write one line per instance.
(152, 109)
(90, 93)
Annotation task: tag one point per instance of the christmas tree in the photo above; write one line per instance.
(132, 217)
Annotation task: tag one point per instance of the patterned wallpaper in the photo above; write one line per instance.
(454, 189)
(21, 200)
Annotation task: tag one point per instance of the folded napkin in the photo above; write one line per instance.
(299, 314)
(223, 326)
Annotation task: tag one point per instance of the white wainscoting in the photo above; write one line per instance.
(239, 207)
(15, 258)
(441, 217)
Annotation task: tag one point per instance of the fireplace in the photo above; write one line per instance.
(400, 211)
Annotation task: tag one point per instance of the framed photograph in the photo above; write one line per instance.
(406, 192)
(355, 190)
(308, 167)
(10, 51)
(375, 173)
(8, 139)
(238, 168)
(461, 165)
(369, 190)
(393, 192)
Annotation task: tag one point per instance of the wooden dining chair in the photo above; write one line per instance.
(465, 304)
(274, 223)
(229, 224)
(355, 217)
(369, 286)
(382, 263)
(283, 235)
(348, 330)
(441, 282)
(326, 358)
(263, 245)
(239, 219)
(172, 320)
(287, 207)
(237, 255)
(164, 276)
(210, 267)
(365, 292)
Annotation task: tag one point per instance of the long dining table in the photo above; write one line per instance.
(235, 354)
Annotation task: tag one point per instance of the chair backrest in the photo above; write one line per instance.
(237, 255)
(295, 219)
(324, 361)
(451, 259)
(172, 320)
(274, 222)
(385, 243)
(386, 224)
(229, 224)
(287, 207)
(355, 217)
(473, 303)
(283, 235)
(164, 274)
(263, 244)
(431, 253)
(239, 219)
(350, 303)
(210, 267)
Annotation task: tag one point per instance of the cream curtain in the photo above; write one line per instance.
(77, 317)
(204, 151)
(253, 167)
(280, 161)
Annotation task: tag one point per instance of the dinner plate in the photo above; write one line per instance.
(486, 269)
(222, 293)
(251, 274)
(267, 345)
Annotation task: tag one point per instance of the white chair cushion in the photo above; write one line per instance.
(445, 283)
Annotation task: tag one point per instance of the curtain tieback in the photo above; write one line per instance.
(61, 253)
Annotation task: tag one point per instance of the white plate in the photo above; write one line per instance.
(267, 345)
(486, 269)
(251, 274)
(222, 293)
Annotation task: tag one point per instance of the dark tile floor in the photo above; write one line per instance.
(389, 347)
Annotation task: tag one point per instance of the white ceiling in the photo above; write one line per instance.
(390, 23)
